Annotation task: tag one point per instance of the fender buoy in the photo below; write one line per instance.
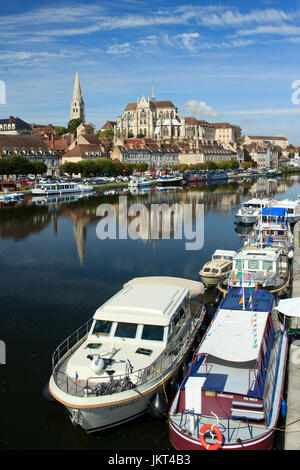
(216, 430)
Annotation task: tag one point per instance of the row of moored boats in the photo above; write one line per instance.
(149, 348)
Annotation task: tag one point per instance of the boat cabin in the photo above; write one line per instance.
(132, 329)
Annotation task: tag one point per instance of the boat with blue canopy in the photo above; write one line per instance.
(231, 396)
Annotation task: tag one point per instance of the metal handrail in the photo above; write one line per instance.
(230, 428)
(150, 372)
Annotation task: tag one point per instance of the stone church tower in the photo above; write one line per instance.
(77, 104)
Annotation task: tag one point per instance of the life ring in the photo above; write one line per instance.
(216, 430)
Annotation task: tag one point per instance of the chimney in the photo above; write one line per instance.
(10, 119)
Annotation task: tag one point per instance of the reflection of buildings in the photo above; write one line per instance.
(18, 222)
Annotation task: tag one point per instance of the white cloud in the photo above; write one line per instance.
(283, 30)
(188, 40)
(200, 109)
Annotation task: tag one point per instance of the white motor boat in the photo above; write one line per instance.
(250, 210)
(218, 268)
(115, 366)
(292, 207)
(140, 183)
(60, 188)
(169, 180)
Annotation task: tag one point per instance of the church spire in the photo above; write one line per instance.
(77, 104)
(153, 96)
(77, 88)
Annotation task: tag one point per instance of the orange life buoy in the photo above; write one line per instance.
(216, 430)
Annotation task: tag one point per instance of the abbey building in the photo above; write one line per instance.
(160, 120)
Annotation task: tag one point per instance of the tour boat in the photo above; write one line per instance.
(250, 210)
(60, 188)
(231, 396)
(218, 268)
(273, 229)
(267, 268)
(169, 180)
(140, 183)
(118, 365)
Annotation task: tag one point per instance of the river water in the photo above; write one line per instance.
(55, 272)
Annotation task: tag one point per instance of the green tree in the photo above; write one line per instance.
(60, 130)
(39, 168)
(106, 134)
(73, 124)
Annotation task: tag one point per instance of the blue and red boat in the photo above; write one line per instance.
(232, 394)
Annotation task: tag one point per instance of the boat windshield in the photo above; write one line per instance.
(126, 330)
(102, 327)
(153, 332)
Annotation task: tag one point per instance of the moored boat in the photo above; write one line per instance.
(231, 396)
(273, 230)
(250, 210)
(169, 180)
(140, 183)
(60, 188)
(267, 268)
(111, 369)
(218, 268)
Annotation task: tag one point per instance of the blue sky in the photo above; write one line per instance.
(220, 61)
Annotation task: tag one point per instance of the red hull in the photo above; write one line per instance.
(182, 442)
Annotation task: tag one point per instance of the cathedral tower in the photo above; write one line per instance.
(77, 104)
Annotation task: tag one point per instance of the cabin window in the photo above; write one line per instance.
(153, 333)
(214, 270)
(206, 270)
(239, 265)
(267, 265)
(102, 327)
(126, 330)
(253, 264)
(280, 232)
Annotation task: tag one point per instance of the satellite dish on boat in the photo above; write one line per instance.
(97, 364)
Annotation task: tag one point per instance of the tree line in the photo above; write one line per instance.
(18, 165)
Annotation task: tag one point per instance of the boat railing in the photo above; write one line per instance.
(105, 385)
(68, 344)
(192, 422)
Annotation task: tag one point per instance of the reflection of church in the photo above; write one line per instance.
(160, 120)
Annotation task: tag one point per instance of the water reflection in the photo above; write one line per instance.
(19, 220)
(57, 273)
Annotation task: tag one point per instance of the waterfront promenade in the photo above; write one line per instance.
(292, 439)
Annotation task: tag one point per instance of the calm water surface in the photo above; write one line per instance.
(55, 272)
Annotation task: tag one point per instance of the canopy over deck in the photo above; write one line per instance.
(194, 287)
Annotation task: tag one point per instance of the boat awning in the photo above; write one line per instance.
(194, 287)
(277, 211)
(289, 307)
(235, 335)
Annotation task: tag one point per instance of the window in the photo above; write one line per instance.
(126, 330)
(153, 333)
(267, 265)
(253, 264)
(102, 327)
(239, 265)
